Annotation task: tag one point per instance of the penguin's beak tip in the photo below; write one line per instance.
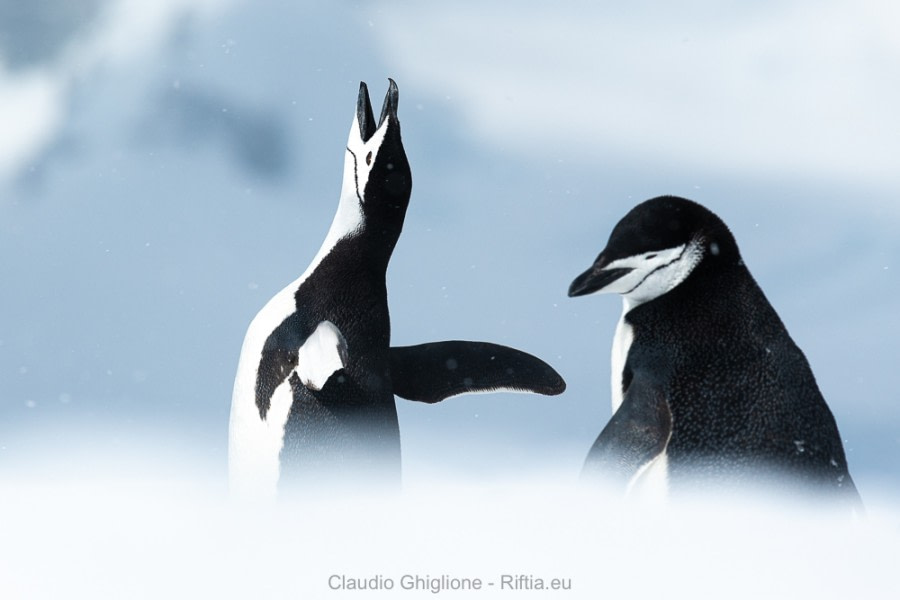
(391, 100)
(594, 280)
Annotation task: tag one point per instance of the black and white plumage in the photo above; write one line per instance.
(313, 398)
(707, 385)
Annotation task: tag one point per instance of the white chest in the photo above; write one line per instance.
(622, 340)
(650, 484)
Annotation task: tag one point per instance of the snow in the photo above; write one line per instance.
(176, 535)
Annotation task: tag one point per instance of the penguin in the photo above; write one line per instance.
(313, 398)
(709, 391)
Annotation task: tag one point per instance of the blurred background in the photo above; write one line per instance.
(166, 167)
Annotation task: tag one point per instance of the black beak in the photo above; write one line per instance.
(390, 103)
(364, 115)
(595, 279)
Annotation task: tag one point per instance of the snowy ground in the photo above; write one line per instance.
(180, 538)
(151, 522)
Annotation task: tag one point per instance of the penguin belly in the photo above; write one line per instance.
(345, 434)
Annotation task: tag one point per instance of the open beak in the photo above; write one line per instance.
(364, 115)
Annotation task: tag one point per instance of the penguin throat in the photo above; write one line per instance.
(348, 220)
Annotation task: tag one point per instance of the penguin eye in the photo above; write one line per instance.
(369, 158)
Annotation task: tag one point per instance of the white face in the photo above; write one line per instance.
(359, 160)
(653, 273)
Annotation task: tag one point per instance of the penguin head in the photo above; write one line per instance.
(655, 247)
(377, 178)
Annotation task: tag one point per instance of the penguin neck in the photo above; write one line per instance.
(348, 221)
(349, 216)
(707, 262)
(374, 239)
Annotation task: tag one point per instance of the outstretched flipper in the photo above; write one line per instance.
(431, 372)
(638, 432)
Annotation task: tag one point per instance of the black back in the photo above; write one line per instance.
(743, 400)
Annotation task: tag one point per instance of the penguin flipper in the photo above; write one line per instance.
(637, 433)
(438, 370)
(322, 354)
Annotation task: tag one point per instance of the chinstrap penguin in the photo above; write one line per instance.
(708, 388)
(313, 397)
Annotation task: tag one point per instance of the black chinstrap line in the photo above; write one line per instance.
(355, 173)
(674, 260)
